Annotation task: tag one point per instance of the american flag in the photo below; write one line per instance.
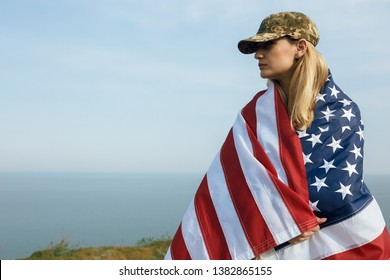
(268, 183)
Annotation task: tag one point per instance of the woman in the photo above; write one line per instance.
(260, 197)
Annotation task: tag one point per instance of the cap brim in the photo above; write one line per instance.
(250, 45)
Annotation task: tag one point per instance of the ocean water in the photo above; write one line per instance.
(37, 210)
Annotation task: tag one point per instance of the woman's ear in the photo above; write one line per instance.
(301, 48)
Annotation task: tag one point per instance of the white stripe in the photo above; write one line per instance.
(267, 130)
(192, 235)
(239, 247)
(168, 255)
(356, 231)
(268, 199)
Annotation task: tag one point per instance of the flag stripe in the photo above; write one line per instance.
(168, 256)
(370, 251)
(292, 201)
(291, 151)
(209, 224)
(249, 113)
(251, 119)
(231, 225)
(267, 130)
(246, 208)
(292, 161)
(192, 235)
(279, 222)
(178, 249)
(339, 238)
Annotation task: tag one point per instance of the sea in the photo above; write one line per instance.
(39, 210)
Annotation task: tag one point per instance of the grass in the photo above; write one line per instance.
(146, 249)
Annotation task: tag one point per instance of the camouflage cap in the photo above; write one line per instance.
(294, 24)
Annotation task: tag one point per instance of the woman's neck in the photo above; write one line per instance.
(285, 86)
(284, 83)
(282, 93)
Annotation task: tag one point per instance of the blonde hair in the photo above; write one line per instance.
(309, 76)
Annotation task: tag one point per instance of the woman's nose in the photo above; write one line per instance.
(259, 54)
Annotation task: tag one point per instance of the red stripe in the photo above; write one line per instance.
(212, 233)
(249, 112)
(178, 247)
(290, 151)
(254, 226)
(296, 194)
(299, 208)
(378, 249)
(250, 117)
(295, 202)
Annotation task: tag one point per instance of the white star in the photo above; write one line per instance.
(325, 129)
(314, 139)
(345, 128)
(320, 97)
(360, 132)
(335, 144)
(348, 114)
(356, 151)
(328, 113)
(319, 183)
(344, 190)
(351, 168)
(313, 206)
(345, 102)
(328, 165)
(334, 91)
(302, 133)
(306, 158)
(328, 79)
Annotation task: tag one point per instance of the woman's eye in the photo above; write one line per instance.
(266, 45)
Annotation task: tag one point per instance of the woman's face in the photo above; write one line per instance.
(276, 59)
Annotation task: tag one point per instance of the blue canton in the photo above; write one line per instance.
(333, 155)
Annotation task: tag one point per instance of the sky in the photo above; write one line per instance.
(154, 86)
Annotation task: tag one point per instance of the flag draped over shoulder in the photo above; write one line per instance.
(333, 156)
(255, 196)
